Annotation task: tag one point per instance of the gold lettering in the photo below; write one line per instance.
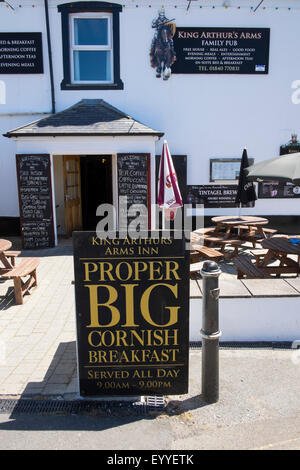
(129, 304)
(107, 271)
(129, 271)
(89, 268)
(173, 270)
(155, 270)
(94, 306)
(139, 267)
(145, 304)
(92, 356)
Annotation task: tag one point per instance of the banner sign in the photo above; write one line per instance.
(221, 50)
(278, 190)
(132, 310)
(213, 195)
(21, 53)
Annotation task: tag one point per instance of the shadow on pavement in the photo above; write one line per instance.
(7, 296)
(43, 405)
(64, 248)
(53, 403)
(177, 407)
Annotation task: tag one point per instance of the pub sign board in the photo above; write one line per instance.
(278, 190)
(212, 195)
(21, 53)
(132, 312)
(221, 50)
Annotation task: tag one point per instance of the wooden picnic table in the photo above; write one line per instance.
(281, 248)
(4, 246)
(249, 223)
(24, 270)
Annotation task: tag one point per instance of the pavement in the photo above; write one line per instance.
(259, 405)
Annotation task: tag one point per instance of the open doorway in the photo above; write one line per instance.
(96, 187)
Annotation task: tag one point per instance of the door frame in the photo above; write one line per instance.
(82, 147)
(67, 219)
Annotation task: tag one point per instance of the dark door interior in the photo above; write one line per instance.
(96, 187)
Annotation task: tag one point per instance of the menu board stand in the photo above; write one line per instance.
(134, 183)
(35, 199)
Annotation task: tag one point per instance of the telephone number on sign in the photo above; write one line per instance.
(221, 68)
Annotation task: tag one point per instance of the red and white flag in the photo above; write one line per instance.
(169, 196)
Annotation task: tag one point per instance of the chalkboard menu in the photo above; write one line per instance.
(212, 195)
(21, 53)
(221, 50)
(133, 182)
(35, 197)
(132, 312)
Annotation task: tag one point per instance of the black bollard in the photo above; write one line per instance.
(210, 332)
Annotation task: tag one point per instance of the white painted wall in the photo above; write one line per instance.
(276, 319)
(203, 116)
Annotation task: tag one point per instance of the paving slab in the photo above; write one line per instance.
(269, 288)
(295, 283)
(40, 337)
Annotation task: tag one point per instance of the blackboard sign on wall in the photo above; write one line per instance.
(35, 198)
(221, 50)
(278, 190)
(21, 53)
(132, 311)
(134, 182)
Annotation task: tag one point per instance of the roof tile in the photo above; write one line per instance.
(87, 117)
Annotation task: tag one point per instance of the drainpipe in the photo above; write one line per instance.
(50, 56)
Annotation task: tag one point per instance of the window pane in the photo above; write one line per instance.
(91, 31)
(92, 65)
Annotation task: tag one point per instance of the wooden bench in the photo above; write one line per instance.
(27, 267)
(11, 255)
(267, 231)
(259, 255)
(254, 236)
(204, 230)
(221, 241)
(245, 268)
(206, 252)
(194, 256)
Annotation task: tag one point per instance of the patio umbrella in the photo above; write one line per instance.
(284, 168)
(169, 196)
(246, 191)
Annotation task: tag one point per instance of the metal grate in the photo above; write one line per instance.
(156, 402)
(69, 407)
(247, 345)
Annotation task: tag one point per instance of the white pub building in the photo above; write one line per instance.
(89, 90)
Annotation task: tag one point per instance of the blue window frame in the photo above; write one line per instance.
(91, 49)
